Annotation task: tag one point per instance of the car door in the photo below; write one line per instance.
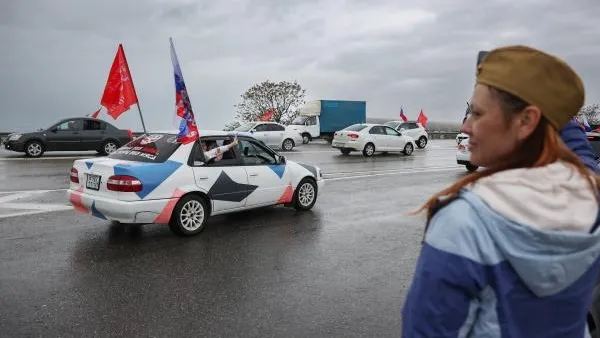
(272, 179)
(224, 180)
(394, 140)
(260, 132)
(276, 133)
(379, 137)
(65, 136)
(92, 134)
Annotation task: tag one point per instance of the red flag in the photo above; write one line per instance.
(119, 93)
(96, 113)
(402, 116)
(266, 116)
(422, 119)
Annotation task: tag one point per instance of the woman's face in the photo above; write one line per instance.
(493, 138)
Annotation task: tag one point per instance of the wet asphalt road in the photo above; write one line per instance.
(340, 270)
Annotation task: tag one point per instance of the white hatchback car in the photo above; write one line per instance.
(155, 179)
(370, 138)
(273, 134)
(413, 129)
(463, 155)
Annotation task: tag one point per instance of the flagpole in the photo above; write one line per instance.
(134, 91)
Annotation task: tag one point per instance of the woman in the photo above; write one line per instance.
(512, 250)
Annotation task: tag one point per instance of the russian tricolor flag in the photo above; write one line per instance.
(188, 130)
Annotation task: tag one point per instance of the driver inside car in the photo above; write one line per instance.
(215, 152)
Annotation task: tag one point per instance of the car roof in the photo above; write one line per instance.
(205, 133)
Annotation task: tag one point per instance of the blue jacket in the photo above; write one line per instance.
(495, 266)
(574, 137)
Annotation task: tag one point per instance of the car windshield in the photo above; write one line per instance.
(245, 127)
(153, 148)
(355, 127)
(299, 121)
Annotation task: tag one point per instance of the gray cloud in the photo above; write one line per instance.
(418, 54)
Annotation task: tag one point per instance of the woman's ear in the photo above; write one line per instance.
(527, 121)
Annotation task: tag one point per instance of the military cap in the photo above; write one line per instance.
(536, 77)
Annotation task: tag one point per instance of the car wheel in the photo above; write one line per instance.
(422, 142)
(305, 138)
(471, 167)
(305, 195)
(345, 151)
(288, 144)
(189, 216)
(408, 149)
(34, 149)
(369, 149)
(109, 147)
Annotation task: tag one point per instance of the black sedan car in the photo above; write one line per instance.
(73, 134)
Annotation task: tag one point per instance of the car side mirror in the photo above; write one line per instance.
(252, 131)
(281, 159)
(54, 130)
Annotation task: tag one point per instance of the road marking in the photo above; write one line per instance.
(42, 191)
(420, 169)
(392, 173)
(44, 158)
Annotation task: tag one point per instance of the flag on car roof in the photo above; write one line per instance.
(402, 116)
(422, 119)
(266, 116)
(119, 92)
(188, 130)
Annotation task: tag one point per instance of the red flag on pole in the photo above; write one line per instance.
(96, 113)
(266, 116)
(119, 92)
(402, 116)
(422, 119)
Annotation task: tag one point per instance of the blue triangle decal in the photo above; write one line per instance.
(150, 174)
(95, 211)
(89, 164)
(278, 169)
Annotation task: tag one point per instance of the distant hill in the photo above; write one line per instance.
(433, 125)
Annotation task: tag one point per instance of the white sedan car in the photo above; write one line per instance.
(155, 179)
(371, 138)
(273, 134)
(463, 155)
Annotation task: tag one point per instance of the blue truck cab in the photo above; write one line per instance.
(322, 118)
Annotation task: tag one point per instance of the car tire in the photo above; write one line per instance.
(305, 195)
(471, 167)
(422, 142)
(109, 147)
(34, 149)
(288, 144)
(345, 151)
(305, 138)
(189, 215)
(369, 149)
(408, 149)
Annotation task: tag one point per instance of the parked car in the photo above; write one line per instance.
(413, 129)
(273, 134)
(463, 154)
(371, 138)
(74, 134)
(155, 179)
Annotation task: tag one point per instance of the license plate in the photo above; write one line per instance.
(92, 182)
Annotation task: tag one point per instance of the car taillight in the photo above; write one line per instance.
(130, 133)
(353, 136)
(123, 183)
(74, 176)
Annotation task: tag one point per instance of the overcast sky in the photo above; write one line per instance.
(56, 54)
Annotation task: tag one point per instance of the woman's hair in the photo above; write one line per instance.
(542, 147)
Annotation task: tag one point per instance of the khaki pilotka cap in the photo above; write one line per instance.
(538, 78)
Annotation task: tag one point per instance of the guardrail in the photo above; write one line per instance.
(432, 135)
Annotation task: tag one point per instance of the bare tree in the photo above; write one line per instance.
(283, 98)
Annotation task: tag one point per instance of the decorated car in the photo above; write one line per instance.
(155, 179)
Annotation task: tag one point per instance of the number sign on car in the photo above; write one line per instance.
(93, 182)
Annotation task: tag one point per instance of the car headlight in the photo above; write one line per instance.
(14, 137)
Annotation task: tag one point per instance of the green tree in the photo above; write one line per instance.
(284, 98)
